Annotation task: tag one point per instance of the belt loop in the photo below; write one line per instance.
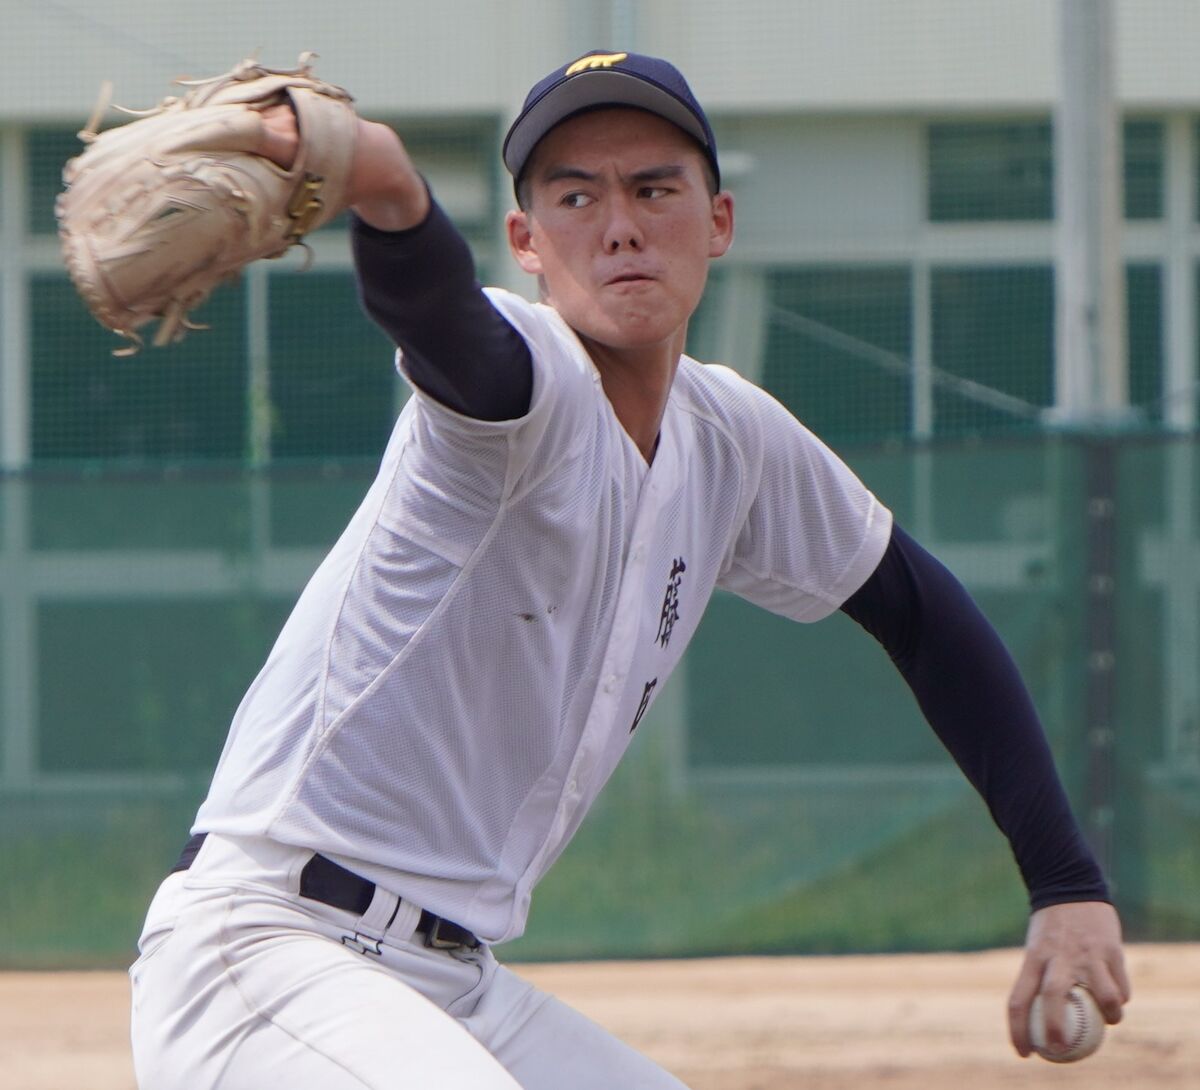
(404, 923)
(374, 923)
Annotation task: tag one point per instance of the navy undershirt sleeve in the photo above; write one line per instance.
(970, 691)
(419, 286)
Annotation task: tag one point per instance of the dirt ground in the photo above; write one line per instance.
(900, 1023)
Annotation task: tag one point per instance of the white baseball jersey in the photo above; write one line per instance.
(469, 663)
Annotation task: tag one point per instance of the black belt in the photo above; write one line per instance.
(330, 883)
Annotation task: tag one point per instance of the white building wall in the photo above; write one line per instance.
(831, 188)
(860, 54)
(463, 56)
(455, 56)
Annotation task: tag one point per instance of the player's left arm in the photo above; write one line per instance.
(416, 277)
(970, 691)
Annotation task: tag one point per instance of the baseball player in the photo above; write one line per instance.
(557, 503)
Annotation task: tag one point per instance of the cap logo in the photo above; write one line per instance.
(596, 60)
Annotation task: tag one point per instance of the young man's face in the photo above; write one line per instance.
(620, 226)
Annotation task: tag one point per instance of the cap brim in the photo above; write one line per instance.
(588, 90)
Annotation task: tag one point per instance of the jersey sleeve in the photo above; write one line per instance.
(419, 286)
(561, 414)
(812, 532)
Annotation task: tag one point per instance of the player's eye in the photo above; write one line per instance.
(575, 199)
(653, 192)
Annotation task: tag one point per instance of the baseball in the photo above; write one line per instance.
(1085, 1027)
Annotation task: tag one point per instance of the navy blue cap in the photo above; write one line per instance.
(600, 79)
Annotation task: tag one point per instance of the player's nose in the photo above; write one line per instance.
(621, 231)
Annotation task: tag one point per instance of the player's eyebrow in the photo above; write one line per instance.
(562, 173)
(638, 177)
(657, 174)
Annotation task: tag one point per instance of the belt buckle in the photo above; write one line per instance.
(435, 940)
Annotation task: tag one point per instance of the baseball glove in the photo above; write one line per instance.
(159, 211)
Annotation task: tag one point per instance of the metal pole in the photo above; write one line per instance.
(1179, 297)
(1091, 370)
(1100, 626)
(1091, 367)
(14, 304)
(18, 611)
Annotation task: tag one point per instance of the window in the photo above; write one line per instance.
(332, 380)
(48, 151)
(1143, 286)
(1144, 153)
(1004, 170)
(838, 348)
(994, 327)
(182, 405)
(990, 170)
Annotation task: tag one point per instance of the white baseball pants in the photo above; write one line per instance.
(242, 984)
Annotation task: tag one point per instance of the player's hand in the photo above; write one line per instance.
(1078, 943)
(280, 138)
(384, 187)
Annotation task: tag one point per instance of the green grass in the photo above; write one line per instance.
(949, 883)
(79, 878)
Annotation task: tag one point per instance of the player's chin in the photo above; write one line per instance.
(641, 327)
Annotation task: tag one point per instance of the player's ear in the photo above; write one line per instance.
(721, 236)
(520, 242)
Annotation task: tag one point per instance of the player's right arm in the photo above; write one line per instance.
(416, 279)
(814, 539)
(384, 187)
(971, 693)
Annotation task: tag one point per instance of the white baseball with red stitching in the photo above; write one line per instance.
(1085, 1027)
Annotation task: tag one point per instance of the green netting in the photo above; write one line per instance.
(838, 345)
(88, 405)
(1003, 170)
(991, 171)
(786, 796)
(332, 393)
(156, 690)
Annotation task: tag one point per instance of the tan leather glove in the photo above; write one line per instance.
(159, 211)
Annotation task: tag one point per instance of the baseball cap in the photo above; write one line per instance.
(602, 78)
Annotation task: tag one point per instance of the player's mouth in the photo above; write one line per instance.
(629, 278)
